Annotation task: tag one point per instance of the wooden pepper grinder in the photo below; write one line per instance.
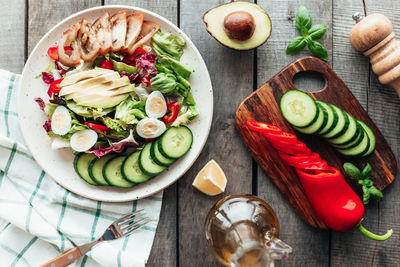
(374, 37)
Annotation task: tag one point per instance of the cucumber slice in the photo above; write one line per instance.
(176, 142)
(298, 108)
(157, 156)
(318, 124)
(371, 136)
(81, 166)
(332, 118)
(355, 142)
(147, 164)
(341, 125)
(358, 150)
(96, 169)
(349, 135)
(113, 175)
(131, 170)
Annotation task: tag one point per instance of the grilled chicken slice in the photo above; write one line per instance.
(118, 29)
(69, 58)
(149, 28)
(102, 29)
(135, 22)
(87, 42)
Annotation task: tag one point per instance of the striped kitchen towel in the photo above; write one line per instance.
(39, 219)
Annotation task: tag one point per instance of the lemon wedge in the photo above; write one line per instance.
(210, 180)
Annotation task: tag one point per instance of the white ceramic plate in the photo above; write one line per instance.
(59, 163)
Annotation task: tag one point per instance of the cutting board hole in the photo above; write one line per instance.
(309, 81)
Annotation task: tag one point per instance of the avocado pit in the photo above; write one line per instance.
(239, 25)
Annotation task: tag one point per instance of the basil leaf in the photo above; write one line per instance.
(366, 194)
(317, 31)
(303, 20)
(366, 172)
(296, 45)
(318, 50)
(352, 171)
(375, 193)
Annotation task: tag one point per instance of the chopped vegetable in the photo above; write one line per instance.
(167, 44)
(47, 77)
(54, 87)
(335, 203)
(98, 127)
(106, 64)
(172, 112)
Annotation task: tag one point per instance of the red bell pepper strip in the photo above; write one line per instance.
(54, 87)
(263, 127)
(107, 64)
(281, 137)
(172, 112)
(138, 52)
(335, 203)
(146, 81)
(98, 127)
(53, 52)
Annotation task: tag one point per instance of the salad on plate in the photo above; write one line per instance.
(120, 98)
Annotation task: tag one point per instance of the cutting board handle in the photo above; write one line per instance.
(305, 64)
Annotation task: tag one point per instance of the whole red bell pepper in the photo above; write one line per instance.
(333, 200)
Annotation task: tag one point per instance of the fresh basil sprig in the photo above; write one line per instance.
(309, 35)
(364, 179)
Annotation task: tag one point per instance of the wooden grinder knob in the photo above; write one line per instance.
(374, 37)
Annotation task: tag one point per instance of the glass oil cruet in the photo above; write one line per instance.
(243, 231)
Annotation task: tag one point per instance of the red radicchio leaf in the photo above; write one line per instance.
(40, 102)
(117, 147)
(47, 77)
(145, 65)
(60, 68)
(47, 125)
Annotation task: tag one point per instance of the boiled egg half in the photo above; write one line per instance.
(61, 121)
(156, 106)
(83, 140)
(150, 128)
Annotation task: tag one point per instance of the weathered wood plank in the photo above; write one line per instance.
(310, 246)
(350, 248)
(12, 32)
(44, 14)
(232, 77)
(384, 109)
(163, 252)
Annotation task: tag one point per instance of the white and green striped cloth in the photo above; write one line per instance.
(39, 219)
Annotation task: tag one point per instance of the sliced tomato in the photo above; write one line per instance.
(263, 127)
(95, 126)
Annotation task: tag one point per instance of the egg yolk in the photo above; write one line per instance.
(149, 128)
(156, 105)
(82, 139)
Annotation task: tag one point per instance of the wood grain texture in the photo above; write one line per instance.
(164, 250)
(384, 109)
(310, 245)
(263, 105)
(232, 77)
(44, 14)
(12, 34)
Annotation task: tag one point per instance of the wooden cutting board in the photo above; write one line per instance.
(263, 105)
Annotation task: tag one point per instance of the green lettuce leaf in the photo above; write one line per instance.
(165, 83)
(130, 111)
(49, 109)
(168, 44)
(179, 68)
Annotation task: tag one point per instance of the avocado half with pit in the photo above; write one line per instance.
(238, 25)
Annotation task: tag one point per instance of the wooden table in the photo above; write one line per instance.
(180, 239)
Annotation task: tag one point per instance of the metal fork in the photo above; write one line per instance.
(121, 227)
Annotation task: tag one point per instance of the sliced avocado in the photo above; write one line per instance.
(121, 66)
(83, 75)
(104, 94)
(104, 102)
(83, 85)
(101, 87)
(238, 25)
